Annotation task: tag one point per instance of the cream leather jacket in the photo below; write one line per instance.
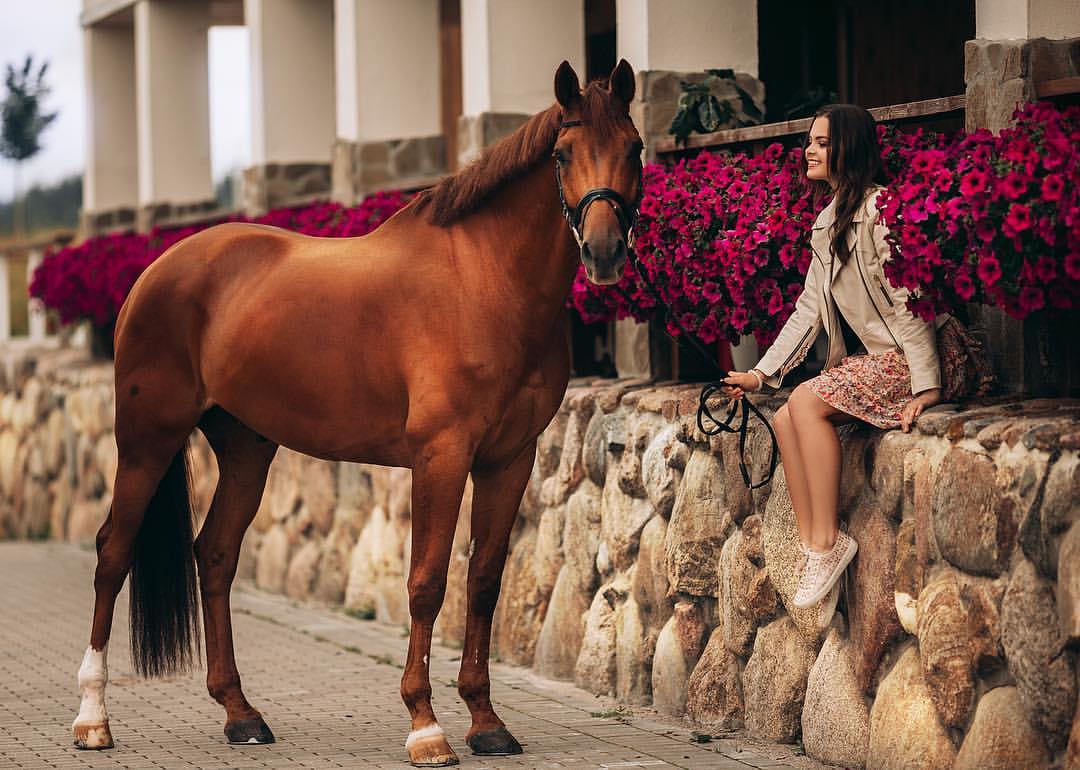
(872, 306)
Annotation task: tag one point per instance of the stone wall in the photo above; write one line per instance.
(362, 168)
(642, 568)
(475, 133)
(657, 99)
(278, 185)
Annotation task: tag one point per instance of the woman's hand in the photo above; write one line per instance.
(739, 383)
(915, 407)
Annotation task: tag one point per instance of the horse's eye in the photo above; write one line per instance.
(635, 149)
(559, 156)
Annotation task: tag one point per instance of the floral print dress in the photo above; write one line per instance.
(875, 387)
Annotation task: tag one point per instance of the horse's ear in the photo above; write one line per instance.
(567, 87)
(621, 83)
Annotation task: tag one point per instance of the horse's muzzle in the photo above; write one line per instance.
(604, 260)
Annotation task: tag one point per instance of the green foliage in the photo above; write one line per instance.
(47, 208)
(619, 714)
(23, 116)
(361, 613)
(702, 112)
(806, 103)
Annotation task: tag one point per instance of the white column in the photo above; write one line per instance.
(111, 178)
(35, 310)
(688, 35)
(1054, 19)
(173, 101)
(1025, 19)
(1001, 19)
(387, 69)
(5, 297)
(511, 48)
(292, 80)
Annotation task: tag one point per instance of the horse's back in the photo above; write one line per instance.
(291, 334)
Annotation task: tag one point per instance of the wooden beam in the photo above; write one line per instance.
(1057, 87)
(889, 114)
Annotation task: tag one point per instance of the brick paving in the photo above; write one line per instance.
(326, 683)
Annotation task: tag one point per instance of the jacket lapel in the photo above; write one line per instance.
(821, 239)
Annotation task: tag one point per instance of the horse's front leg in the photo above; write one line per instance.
(440, 469)
(496, 497)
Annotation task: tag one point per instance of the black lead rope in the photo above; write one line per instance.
(704, 414)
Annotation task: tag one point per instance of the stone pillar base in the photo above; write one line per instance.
(1001, 73)
(657, 100)
(274, 185)
(153, 215)
(93, 223)
(478, 132)
(632, 349)
(1031, 357)
(362, 168)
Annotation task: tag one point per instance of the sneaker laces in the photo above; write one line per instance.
(810, 571)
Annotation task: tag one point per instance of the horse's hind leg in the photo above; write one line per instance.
(150, 473)
(243, 461)
(496, 497)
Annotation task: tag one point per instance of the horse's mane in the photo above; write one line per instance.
(457, 196)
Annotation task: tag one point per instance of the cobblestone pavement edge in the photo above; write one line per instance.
(326, 683)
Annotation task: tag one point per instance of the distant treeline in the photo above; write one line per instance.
(46, 208)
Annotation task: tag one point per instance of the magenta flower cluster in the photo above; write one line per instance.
(991, 219)
(91, 280)
(724, 238)
(973, 217)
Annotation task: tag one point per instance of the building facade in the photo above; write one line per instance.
(350, 97)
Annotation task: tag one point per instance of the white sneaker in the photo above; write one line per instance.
(822, 570)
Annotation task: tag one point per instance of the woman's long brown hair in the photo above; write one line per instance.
(854, 161)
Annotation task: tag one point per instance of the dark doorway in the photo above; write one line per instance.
(599, 38)
(808, 52)
(450, 76)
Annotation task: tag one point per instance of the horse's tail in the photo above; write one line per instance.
(164, 622)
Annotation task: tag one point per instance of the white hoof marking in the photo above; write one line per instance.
(431, 731)
(93, 675)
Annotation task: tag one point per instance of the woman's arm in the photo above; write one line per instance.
(796, 337)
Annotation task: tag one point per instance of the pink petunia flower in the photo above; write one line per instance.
(989, 270)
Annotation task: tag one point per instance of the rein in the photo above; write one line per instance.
(704, 415)
(707, 423)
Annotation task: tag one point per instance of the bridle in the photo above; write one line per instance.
(625, 212)
(707, 423)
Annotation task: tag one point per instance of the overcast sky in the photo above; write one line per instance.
(49, 29)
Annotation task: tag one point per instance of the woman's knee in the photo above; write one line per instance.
(782, 421)
(803, 403)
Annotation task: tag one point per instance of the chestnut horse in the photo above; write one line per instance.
(436, 343)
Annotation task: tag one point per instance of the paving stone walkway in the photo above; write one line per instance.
(326, 683)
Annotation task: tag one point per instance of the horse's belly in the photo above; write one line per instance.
(322, 415)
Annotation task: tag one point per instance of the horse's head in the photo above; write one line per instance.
(598, 161)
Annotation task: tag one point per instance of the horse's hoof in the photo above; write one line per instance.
(94, 736)
(494, 743)
(246, 731)
(427, 747)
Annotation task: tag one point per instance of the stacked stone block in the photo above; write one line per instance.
(642, 568)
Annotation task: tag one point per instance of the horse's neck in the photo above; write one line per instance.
(527, 243)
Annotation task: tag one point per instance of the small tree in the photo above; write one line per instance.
(23, 123)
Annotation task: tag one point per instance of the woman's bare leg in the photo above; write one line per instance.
(795, 472)
(814, 424)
